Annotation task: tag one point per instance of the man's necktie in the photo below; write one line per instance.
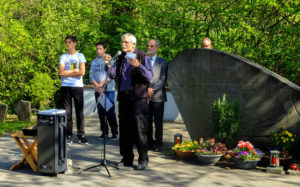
(151, 61)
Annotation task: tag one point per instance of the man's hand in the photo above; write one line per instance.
(107, 59)
(99, 89)
(150, 93)
(134, 62)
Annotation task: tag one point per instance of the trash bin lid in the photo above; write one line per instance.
(51, 112)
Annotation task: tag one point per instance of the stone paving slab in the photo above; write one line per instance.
(163, 170)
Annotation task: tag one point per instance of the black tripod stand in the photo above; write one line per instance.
(103, 161)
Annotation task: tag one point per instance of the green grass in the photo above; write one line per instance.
(12, 124)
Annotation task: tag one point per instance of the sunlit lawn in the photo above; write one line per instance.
(12, 124)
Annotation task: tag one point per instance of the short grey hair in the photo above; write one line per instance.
(130, 36)
(157, 43)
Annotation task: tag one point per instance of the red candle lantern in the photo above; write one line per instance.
(177, 138)
(274, 158)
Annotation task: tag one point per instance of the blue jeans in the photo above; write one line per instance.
(110, 115)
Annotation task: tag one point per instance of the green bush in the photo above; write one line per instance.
(41, 90)
(225, 121)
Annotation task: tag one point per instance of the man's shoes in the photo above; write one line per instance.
(82, 140)
(157, 148)
(142, 166)
(114, 137)
(122, 164)
(69, 140)
(102, 136)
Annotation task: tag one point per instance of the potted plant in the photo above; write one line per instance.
(283, 141)
(245, 156)
(209, 151)
(186, 149)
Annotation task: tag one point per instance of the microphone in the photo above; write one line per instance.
(116, 56)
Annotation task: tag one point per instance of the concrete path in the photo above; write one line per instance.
(163, 170)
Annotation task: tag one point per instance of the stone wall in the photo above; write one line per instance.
(267, 101)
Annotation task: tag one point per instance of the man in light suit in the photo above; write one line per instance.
(156, 95)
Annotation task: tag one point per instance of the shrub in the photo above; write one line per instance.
(225, 121)
(41, 90)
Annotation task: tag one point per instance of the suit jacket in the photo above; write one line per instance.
(158, 83)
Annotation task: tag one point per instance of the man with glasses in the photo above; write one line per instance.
(157, 95)
(134, 72)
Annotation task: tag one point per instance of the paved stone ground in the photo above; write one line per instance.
(163, 170)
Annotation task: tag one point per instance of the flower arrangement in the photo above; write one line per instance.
(283, 140)
(186, 146)
(245, 151)
(210, 147)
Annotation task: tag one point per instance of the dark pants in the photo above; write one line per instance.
(77, 94)
(111, 115)
(156, 110)
(133, 122)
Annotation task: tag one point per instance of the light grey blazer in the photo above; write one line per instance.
(158, 83)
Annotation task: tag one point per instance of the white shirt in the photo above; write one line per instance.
(71, 62)
(153, 60)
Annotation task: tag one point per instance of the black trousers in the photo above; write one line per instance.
(76, 93)
(133, 123)
(111, 115)
(156, 110)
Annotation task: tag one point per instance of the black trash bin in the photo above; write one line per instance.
(51, 132)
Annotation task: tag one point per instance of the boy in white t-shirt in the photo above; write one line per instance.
(71, 70)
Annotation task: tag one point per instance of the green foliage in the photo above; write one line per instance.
(225, 121)
(32, 33)
(41, 90)
(13, 125)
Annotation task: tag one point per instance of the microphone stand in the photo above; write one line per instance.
(103, 162)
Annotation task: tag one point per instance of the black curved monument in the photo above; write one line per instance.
(267, 101)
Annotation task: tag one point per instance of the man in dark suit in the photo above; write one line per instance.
(156, 95)
(134, 72)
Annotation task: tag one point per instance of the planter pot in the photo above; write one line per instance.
(208, 159)
(247, 164)
(184, 154)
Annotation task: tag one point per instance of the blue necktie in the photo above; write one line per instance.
(151, 61)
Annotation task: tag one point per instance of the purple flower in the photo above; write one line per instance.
(243, 153)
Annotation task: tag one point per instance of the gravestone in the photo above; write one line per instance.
(3, 111)
(267, 101)
(23, 110)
